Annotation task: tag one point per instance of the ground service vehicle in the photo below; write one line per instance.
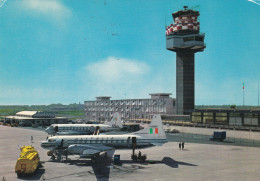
(218, 136)
(28, 162)
(117, 159)
(138, 157)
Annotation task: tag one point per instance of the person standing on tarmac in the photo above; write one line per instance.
(179, 145)
(31, 139)
(139, 154)
(182, 145)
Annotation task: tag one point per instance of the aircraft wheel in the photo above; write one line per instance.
(106, 155)
(134, 157)
(93, 160)
(59, 158)
(143, 159)
(52, 157)
(50, 153)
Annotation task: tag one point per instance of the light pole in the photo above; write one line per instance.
(258, 94)
(243, 94)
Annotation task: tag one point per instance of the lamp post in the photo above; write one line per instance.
(243, 94)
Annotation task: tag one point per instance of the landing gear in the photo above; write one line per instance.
(52, 157)
(106, 155)
(95, 157)
(138, 157)
(65, 154)
(58, 155)
(51, 154)
(134, 157)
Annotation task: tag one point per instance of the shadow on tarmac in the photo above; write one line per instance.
(37, 175)
(175, 164)
(170, 162)
(102, 167)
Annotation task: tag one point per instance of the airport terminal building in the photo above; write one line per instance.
(37, 118)
(142, 110)
(130, 109)
(231, 117)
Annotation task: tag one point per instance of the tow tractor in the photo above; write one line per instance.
(139, 156)
(28, 162)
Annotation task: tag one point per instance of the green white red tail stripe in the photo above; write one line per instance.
(153, 130)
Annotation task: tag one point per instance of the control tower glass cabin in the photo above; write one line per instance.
(184, 38)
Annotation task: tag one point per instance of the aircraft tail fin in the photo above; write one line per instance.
(154, 129)
(116, 121)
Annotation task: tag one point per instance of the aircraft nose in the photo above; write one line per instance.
(43, 144)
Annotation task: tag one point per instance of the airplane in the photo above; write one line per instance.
(81, 129)
(90, 146)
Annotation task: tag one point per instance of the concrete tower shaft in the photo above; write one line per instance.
(183, 37)
(184, 81)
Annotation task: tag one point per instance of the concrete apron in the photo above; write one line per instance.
(209, 131)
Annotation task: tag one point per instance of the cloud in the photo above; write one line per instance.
(123, 78)
(50, 8)
(115, 69)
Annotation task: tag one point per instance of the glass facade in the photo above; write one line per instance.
(226, 117)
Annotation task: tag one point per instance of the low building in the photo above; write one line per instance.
(103, 108)
(37, 118)
(231, 117)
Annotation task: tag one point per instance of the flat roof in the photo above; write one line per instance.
(19, 117)
(160, 94)
(216, 110)
(103, 97)
(29, 113)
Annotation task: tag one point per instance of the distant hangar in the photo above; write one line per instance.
(31, 118)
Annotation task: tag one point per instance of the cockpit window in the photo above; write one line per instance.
(51, 140)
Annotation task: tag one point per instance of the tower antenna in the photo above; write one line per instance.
(258, 95)
(165, 21)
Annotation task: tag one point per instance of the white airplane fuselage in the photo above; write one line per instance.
(81, 129)
(85, 145)
(116, 141)
(78, 129)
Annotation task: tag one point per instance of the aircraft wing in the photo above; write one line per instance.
(93, 149)
(71, 132)
(85, 150)
(157, 144)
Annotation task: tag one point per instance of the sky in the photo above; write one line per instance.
(64, 51)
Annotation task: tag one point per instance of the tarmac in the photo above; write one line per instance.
(195, 162)
(250, 135)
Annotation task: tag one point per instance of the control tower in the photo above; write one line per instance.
(184, 38)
